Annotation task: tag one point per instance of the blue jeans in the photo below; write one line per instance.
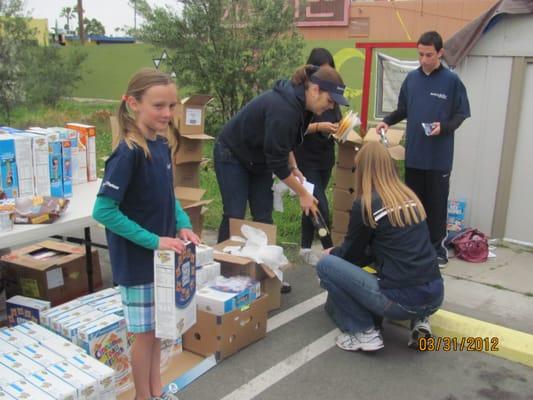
(355, 301)
(237, 187)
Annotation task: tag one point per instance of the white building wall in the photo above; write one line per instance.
(478, 142)
(486, 73)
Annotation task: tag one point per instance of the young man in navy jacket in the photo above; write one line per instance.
(435, 103)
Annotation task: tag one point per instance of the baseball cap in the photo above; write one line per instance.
(335, 90)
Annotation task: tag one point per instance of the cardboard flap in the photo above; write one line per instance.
(397, 152)
(353, 137)
(394, 136)
(197, 136)
(197, 100)
(220, 256)
(188, 194)
(270, 230)
(266, 269)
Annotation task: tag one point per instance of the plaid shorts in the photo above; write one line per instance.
(139, 311)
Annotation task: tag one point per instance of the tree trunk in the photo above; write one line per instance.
(80, 22)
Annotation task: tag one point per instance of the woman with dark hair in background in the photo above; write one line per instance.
(315, 158)
(259, 141)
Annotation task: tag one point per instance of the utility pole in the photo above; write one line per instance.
(80, 22)
(135, 15)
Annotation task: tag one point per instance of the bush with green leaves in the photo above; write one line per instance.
(232, 50)
(30, 73)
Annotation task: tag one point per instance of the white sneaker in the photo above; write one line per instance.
(420, 328)
(308, 256)
(369, 340)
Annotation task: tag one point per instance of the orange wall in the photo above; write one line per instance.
(444, 16)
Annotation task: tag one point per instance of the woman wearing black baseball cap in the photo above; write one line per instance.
(260, 138)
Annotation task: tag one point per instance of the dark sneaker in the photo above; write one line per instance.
(443, 261)
(285, 287)
(420, 328)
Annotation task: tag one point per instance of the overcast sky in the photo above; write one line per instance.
(111, 13)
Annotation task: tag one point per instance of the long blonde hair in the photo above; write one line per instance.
(375, 172)
(129, 131)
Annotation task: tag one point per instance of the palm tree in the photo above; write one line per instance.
(68, 13)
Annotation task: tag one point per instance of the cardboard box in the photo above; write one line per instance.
(187, 174)
(41, 354)
(337, 238)
(394, 137)
(7, 376)
(8, 167)
(226, 334)
(175, 292)
(190, 114)
(232, 265)
(344, 178)
(192, 203)
(340, 221)
(190, 148)
(21, 309)
(343, 199)
(58, 278)
(346, 154)
(87, 141)
(16, 338)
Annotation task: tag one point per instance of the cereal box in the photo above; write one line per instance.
(21, 309)
(24, 164)
(70, 330)
(56, 169)
(456, 214)
(175, 288)
(25, 390)
(66, 159)
(106, 341)
(53, 385)
(8, 167)
(47, 315)
(7, 375)
(204, 255)
(35, 331)
(16, 338)
(57, 323)
(207, 273)
(86, 385)
(41, 354)
(5, 347)
(19, 363)
(87, 140)
(101, 294)
(102, 373)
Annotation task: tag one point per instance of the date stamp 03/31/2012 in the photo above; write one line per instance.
(465, 343)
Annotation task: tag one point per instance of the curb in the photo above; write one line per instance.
(454, 332)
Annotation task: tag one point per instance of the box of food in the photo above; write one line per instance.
(175, 289)
(21, 309)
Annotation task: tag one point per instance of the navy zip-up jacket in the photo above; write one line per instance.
(265, 130)
(403, 256)
(437, 97)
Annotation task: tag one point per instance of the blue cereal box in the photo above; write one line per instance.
(8, 167)
(56, 168)
(456, 214)
(66, 157)
(22, 309)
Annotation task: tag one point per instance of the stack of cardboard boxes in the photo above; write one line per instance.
(344, 186)
(190, 121)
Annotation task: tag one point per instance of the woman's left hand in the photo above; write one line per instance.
(188, 235)
(327, 127)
